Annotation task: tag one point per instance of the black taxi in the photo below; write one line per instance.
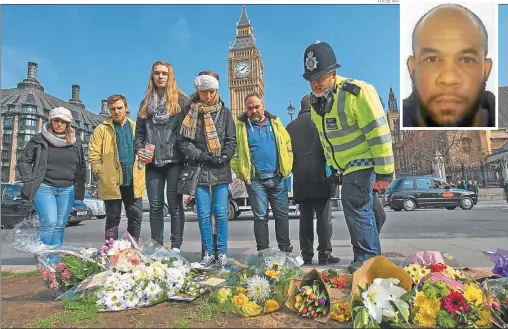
(410, 193)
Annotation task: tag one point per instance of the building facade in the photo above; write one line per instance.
(245, 67)
(26, 108)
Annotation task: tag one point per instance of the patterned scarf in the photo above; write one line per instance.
(189, 124)
(157, 108)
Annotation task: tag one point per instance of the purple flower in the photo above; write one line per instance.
(322, 301)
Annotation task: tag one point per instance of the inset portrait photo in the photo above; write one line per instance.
(448, 65)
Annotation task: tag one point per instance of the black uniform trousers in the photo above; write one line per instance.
(322, 209)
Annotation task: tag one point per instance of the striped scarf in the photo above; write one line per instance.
(189, 124)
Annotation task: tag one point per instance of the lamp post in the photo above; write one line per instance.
(291, 110)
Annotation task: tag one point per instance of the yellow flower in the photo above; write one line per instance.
(240, 300)
(271, 306)
(425, 320)
(484, 318)
(223, 294)
(420, 299)
(241, 291)
(251, 309)
(430, 307)
(271, 274)
(413, 268)
(299, 299)
(473, 294)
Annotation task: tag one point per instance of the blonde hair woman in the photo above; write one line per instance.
(157, 124)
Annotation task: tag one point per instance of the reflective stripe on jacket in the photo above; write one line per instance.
(355, 134)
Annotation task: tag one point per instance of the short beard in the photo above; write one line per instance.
(465, 121)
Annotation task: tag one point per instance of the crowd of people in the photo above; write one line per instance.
(183, 141)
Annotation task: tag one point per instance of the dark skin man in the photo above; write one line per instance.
(449, 68)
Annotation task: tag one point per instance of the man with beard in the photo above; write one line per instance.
(449, 69)
(357, 143)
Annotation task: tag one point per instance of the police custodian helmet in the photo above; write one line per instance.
(318, 60)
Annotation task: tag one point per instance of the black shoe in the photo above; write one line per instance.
(329, 259)
(354, 266)
(307, 262)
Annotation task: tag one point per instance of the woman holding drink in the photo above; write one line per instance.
(155, 145)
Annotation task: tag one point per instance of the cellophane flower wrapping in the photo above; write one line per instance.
(260, 283)
(137, 277)
(422, 263)
(496, 294)
(500, 260)
(64, 268)
(24, 236)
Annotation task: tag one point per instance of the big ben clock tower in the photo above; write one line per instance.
(245, 68)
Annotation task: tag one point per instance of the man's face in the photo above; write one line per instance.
(118, 111)
(449, 69)
(255, 108)
(160, 76)
(322, 85)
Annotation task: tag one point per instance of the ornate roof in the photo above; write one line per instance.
(244, 20)
(244, 41)
(503, 107)
(14, 101)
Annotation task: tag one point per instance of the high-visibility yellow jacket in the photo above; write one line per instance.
(105, 162)
(355, 134)
(241, 161)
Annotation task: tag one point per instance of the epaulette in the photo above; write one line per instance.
(350, 87)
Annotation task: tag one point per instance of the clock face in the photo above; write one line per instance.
(242, 69)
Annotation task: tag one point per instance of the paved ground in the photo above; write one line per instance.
(462, 233)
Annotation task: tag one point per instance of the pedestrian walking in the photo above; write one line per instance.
(310, 187)
(52, 169)
(157, 124)
(356, 140)
(264, 160)
(112, 158)
(207, 138)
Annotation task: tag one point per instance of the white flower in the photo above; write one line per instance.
(118, 246)
(118, 306)
(378, 296)
(152, 290)
(149, 271)
(139, 272)
(159, 269)
(113, 298)
(258, 289)
(112, 281)
(131, 301)
(89, 252)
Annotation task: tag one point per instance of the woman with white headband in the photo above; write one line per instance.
(208, 138)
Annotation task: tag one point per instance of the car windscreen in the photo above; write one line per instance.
(11, 192)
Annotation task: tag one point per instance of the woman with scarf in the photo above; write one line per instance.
(208, 138)
(157, 124)
(53, 170)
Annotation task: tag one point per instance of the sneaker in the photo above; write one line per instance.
(207, 260)
(355, 265)
(223, 260)
(176, 250)
(328, 259)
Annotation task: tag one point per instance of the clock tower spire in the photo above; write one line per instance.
(245, 67)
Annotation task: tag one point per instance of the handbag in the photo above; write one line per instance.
(188, 179)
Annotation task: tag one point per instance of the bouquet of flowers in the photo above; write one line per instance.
(311, 300)
(418, 272)
(336, 280)
(383, 302)
(62, 269)
(442, 305)
(341, 311)
(496, 291)
(251, 301)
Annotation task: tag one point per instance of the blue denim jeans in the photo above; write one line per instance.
(213, 199)
(357, 203)
(53, 205)
(273, 191)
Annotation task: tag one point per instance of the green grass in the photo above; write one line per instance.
(18, 274)
(206, 308)
(73, 312)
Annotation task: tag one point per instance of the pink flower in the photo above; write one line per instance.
(496, 305)
(61, 267)
(45, 274)
(454, 303)
(66, 274)
(53, 285)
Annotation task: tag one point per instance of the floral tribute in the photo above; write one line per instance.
(335, 279)
(341, 311)
(438, 304)
(496, 292)
(382, 303)
(418, 272)
(311, 300)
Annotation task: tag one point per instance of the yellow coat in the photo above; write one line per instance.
(104, 160)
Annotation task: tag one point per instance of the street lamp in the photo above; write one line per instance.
(291, 110)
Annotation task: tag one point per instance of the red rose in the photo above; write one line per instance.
(437, 267)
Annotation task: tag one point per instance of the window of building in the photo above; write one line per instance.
(5, 174)
(6, 138)
(32, 109)
(8, 121)
(6, 154)
(30, 122)
(466, 144)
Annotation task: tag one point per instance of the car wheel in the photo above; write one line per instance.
(451, 208)
(231, 211)
(165, 211)
(409, 204)
(466, 203)
(73, 223)
(101, 216)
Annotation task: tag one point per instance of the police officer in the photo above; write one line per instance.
(356, 140)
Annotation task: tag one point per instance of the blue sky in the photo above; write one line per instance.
(109, 49)
(503, 44)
